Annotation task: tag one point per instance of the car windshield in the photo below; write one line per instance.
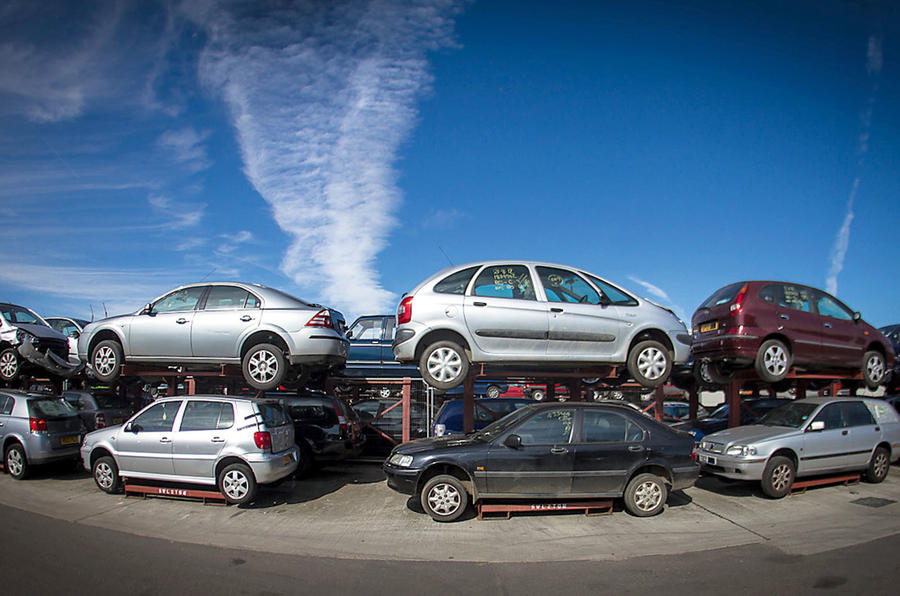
(722, 296)
(17, 314)
(50, 408)
(720, 412)
(499, 427)
(792, 415)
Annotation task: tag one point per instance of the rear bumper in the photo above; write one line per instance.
(685, 477)
(735, 349)
(269, 467)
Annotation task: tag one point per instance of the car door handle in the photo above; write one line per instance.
(635, 448)
(217, 440)
(559, 450)
(785, 317)
(828, 325)
(181, 321)
(246, 318)
(556, 309)
(165, 440)
(479, 303)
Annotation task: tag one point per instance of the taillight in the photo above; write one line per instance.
(739, 301)
(37, 425)
(322, 319)
(99, 420)
(404, 311)
(263, 440)
(341, 420)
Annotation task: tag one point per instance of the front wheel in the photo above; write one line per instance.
(263, 367)
(492, 391)
(16, 461)
(538, 395)
(444, 498)
(873, 369)
(878, 466)
(649, 363)
(237, 483)
(773, 361)
(645, 495)
(106, 475)
(444, 365)
(9, 365)
(106, 360)
(778, 477)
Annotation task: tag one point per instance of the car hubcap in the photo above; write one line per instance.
(881, 465)
(14, 462)
(875, 368)
(235, 485)
(444, 499)
(647, 496)
(775, 360)
(444, 364)
(8, 364)
(781, 478)
(105, 360)
(104, 476)
(651, 363)
(263, 366)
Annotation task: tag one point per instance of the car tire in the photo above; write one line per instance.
(264, 367)
(444, 365)
(106, 360)
(879, 466)
(778, 477)
(492, 391)
(773, 361)
(649, 363)
(10, 365)
(384, 393)
(712, 373)
(106, 475)
(307, 464)
(645, 495)
(538, 395)
(873, 369)
(16, 462)
(237, 484)
(444, 498)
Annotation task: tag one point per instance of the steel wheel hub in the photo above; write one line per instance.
(104, 476)
(235, 485)
(775, 360)
(647, 496)
(781, 477)
(263, 366)
(14, 462)
(444, 499)
(444, 364)
(652, 363)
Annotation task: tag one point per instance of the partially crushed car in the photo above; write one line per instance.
(27, 341)
(71, 328)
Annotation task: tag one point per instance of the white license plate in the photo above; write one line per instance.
(705, 459)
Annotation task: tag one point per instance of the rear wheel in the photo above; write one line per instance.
(263, 367)
(649, 363)
(444, 365)
(9, 365)
(492, 391)
(237, 484)
(712, 373)
(16, 462)
(645, 495)
(444, 498)
(106, 475)
(538, 395)
(873, 369)
(778, 477)
(879, 466)
(773, 361)
(106, 360)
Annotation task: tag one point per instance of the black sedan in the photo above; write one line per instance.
(548, 451)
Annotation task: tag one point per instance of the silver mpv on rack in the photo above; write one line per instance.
(233, 443)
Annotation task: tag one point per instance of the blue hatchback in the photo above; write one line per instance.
(449, 419)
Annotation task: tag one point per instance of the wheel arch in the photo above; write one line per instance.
(437, 335)
(788, 453)
(227, 461)
(654, 334)
(450, 469)
(655, 468)
(265, 336)
(10, 440)
(780, 337)
(104, 334)
(99, 452)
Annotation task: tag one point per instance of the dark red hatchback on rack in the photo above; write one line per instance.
(773, 326)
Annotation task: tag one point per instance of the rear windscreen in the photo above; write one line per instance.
(272, 413)
(307, 409)
(109, 400)
(50, 408)
(723, 296)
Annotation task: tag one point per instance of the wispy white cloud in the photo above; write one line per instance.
(442, 219)
(321, 95)
(187, 147)
(653, 290)
(180, 215)
(233, 242)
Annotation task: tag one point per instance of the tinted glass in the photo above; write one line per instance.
(272, 413)
(796, 297)
(158, 418)
(857, 414)
(615, 295)
(832, 416)
(109, 400)
(17, 314)
(6, 405)
(226, 298)
(455, 283)
(722, 296)
(180, 300)
(207, 415)
(793, 415)
(310, 410)
(547, 427)
(830, 307)
(607, 427)
(505, 281)
(390, 328)
(253, 302)
(561, 285)
(367, 329)
(50, 408)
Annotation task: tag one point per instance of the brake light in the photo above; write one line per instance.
(404, 311)
(322, 319)
(263, 440)
(341, 420)
(739, 301)
(37, 425)
(100, 420)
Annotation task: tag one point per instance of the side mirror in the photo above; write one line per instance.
(74, 335)
(857, 317)
(148, 309)
(131, 427)
(817, 425)
(349, 334)
(604, 300)
(513, 441)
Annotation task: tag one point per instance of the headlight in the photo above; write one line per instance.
(403, 461)
(741, 450)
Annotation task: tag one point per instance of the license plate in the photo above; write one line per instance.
(705, 459)
(707, 327)
(288, 459)
(117, 420)
(72, 440)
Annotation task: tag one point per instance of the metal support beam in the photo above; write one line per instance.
(405, 393)
(469, 404)
(658, 396)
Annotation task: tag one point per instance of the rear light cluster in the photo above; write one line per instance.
(37, 425)
(100, 420)
(739, 301)
(342, 421)
(322, 319)
(263, 440)
(404, 311)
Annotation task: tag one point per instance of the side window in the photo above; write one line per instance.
(566, 286)
(253, 302)
(179, 300)
(772, 294)
(455, 283)
(505, 281)
(547, 428)
(857, 414)
(390, 328)
(158, 418)
(207, 415)
(6, 405)
(796, 297)
(367, 329)
(226, 298)
(615, 295)
(829, 307)
(608, 427)
(831, 416)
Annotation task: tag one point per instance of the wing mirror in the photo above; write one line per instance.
(817, 425)
(513, 441)
(857, 317)
(604, 300)
(131, 427)
(148, 309)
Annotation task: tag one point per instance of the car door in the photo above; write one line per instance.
(6, 407)
(202, 433)
(503, 314)
(165, 329)
(582, 321)
(387, 341)
(366, 342)
(226, 316)
(609, 446)
(829, 448)
(842, 342)
(542, 465)
(144, 445)
(864, 431)
(795, 318)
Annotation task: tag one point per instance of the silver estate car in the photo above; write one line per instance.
(37, 428)
(233, 443)
(273, 336)
(804, 438)
(535, 314)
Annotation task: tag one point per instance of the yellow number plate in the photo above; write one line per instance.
(288, 459)
(707, 327)
(72, 440)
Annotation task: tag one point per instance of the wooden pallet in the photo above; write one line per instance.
(505, 510)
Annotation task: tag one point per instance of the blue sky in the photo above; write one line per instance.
(344, 151)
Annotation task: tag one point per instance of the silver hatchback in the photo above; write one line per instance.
(233, 443)
(273, 336)
(804, 438)
(535, 314)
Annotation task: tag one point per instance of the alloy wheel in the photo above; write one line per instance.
(444, 499)
(875, 368)
(263, 366)
(781, 477)
(14, 462)
(775, 360)
(647, 496)
(105, 360)
(652, 363)
(8, 364)
(235, 485)
(103, 474)
(880, 465)
(444, 364)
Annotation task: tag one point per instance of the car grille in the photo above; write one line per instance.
(712, 447)
(57, 346)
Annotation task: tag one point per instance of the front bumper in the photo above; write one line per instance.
(727, 466)
(270, 467)
(402, 480)
(48, 360)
